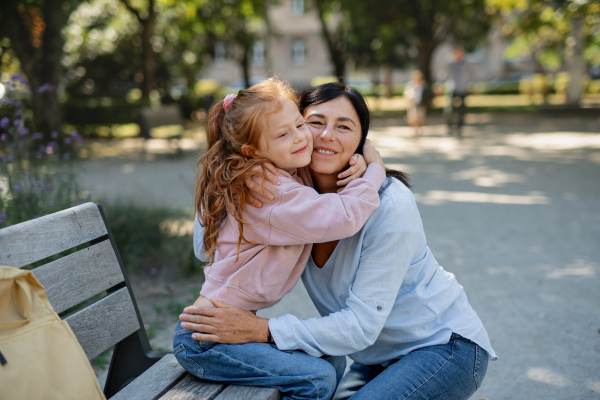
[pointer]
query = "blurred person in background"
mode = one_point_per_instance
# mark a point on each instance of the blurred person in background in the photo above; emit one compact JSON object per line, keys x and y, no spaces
{"x":457,"y":77}
{"x":418,"y":94}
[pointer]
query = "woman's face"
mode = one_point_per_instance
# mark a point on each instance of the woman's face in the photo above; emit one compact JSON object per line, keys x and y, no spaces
{"x":336,"y":134}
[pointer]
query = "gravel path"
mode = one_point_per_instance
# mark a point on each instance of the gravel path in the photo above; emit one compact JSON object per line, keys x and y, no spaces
{"x":512,"y":210}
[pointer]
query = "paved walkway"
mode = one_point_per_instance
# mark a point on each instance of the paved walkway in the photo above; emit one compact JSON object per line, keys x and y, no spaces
{"x":512,"y":210}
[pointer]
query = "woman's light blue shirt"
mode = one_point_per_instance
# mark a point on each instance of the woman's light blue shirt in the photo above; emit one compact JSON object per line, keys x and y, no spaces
{"x":381,"y":294}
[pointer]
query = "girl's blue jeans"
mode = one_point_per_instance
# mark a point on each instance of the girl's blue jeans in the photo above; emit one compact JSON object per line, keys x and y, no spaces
{"x":296,"y":374}
{"x":451,"y":371}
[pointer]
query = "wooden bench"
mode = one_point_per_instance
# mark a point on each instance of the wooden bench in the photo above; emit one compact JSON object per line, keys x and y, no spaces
{"x":91,"y":286}
{"x":163,"y":116}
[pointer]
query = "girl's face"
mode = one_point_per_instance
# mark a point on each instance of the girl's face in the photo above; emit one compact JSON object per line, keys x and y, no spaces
{"x":336,"y":134}
{"x":287,"y":142}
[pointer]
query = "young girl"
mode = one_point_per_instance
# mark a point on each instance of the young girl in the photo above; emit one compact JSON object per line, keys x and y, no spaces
{"x":258,"y":254}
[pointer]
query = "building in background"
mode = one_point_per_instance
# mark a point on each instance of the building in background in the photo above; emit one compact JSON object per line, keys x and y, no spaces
{"x":296,"y":52}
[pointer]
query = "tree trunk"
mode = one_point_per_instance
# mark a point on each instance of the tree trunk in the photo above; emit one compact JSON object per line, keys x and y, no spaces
{"x":388,"y":81}
{"x":147,"y":52}
{"x":337,"y":58}
{"x":245,"y":64}
{"x":41,"y":64}
{"x":575,"y":61}
{"x":425,"y":49}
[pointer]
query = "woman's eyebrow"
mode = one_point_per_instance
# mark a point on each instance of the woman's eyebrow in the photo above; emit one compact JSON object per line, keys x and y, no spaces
{"x":316,"y":115}
{"x":347,"y":119}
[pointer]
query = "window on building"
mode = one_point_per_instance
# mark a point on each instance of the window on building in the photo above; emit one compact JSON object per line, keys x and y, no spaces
{"x":258,"y":53}
{"x":219,"y":52}
{"x":297,"y":7}
{"x":298,"y":52}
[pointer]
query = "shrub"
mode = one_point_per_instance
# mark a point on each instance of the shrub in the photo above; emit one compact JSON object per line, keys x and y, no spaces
{"x":151,"y":239}
{"x":36,"y":177}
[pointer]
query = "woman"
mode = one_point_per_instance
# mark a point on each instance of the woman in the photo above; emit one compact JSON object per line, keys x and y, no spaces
{"x":386,"y":303}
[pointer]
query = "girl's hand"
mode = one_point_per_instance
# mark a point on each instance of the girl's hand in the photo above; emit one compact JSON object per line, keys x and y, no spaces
{"x":257,"y":189}
{"x":371,"y":154}
{"x":357,"y":168}
{"x":225,"y":323}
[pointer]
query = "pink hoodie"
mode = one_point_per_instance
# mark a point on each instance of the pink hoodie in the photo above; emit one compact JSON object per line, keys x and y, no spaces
{"x":283,"y":231}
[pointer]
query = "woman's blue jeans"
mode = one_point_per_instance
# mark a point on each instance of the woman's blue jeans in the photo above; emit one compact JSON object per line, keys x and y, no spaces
{"x":296,"y":374}
{"x":451,"y":371}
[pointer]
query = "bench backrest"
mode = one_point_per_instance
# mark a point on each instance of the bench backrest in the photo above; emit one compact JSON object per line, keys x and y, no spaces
{"x":168,"y":114}
{"x":80,"y":276}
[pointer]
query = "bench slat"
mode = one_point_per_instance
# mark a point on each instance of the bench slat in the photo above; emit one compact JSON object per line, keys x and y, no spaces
{"x":248,"y":393}
{"x":105,"y":322}
{"x":80,"y":276}
{"x":192,"y":388}
{"x":36,"y":239}
{"x":160,"y":377}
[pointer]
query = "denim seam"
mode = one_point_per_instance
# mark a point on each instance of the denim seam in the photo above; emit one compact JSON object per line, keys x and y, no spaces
{"x":435,"y":373}
{"x":476,"y":368}
{"x":265,"y":372}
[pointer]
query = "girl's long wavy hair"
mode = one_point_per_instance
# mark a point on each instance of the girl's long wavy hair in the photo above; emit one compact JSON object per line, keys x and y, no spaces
{"x":223,"y":169}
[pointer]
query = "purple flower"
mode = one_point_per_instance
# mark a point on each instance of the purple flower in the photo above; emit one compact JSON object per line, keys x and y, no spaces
{"x":49,"y":187}
{"x":3,"y":137}
{"x":18,"y":113}
{"x":24,"y":132}
{"x":9,"y":159}
{"x":49,"y":150}
{"x":4,"y":122}
{"x":50,"y":203}
{"x":46,"y":87}
{"x":54,"y":135}
{"x":2,"y":217}
{"x":67,"y":140}
{"x":88,"y":195}
{"x":37,"y":135}
{"x":153,"y":271}
{"x":17,"y":188}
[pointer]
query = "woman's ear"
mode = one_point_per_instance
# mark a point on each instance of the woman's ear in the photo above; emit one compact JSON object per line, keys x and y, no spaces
{"x":248,"y":151}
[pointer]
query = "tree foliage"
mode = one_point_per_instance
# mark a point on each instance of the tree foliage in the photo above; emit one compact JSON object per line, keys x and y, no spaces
{"x":559,"y":34}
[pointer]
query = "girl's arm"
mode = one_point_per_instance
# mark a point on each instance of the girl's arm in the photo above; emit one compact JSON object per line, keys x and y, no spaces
{"x":300,"y":215}
{"x":258,"y":191}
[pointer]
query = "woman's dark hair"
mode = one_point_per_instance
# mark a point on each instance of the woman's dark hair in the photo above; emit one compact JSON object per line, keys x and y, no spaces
{"x":331,"y":91}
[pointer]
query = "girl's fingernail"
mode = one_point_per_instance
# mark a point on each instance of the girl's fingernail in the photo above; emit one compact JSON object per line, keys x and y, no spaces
{"x":183,"y":325}
{"x":186,"y":310}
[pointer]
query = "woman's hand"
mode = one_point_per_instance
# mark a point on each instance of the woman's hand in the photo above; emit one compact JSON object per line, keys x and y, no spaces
{"x":357,"y":168}
{"x":256,"y":186}
{"x":371,"y":154}
{"x":225,"y":323}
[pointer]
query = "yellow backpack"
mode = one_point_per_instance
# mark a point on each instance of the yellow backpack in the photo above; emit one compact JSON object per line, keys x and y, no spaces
{"x":40,"y":357}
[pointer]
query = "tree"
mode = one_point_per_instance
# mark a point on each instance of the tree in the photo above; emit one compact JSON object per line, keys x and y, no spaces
{"x":34,"y":29}
{"x":146,"y":16}
{"x":555,"y":34}
{"x":387,"y":31}
{"x":335,"y":40}
{"x":239,"y":23}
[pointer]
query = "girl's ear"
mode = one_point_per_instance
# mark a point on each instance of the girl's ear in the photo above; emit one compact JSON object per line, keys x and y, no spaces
{"x":248,"y":151}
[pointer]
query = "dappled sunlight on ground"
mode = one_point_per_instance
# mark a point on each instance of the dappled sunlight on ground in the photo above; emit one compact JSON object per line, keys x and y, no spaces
{"x":547,"y":376}
{"x":553,"y":141}
{"x":441,"y":196}
{"x":487,"y":177}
